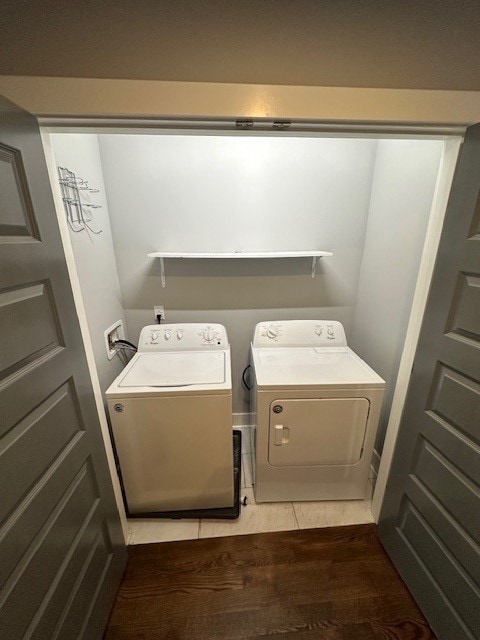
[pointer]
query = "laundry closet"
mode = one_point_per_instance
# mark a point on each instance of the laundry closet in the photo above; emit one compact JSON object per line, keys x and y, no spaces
{"x":260,"y":207}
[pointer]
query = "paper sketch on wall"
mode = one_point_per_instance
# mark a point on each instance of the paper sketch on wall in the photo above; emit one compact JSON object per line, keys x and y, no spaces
{"x":76,"y":196}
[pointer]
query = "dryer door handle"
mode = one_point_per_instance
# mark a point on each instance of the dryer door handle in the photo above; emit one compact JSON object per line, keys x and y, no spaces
{"x":282,"y":435}
{"x":278,"y":434}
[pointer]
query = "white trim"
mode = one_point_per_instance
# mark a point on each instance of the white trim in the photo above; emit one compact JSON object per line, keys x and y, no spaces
{"x":82,"y":319}
{"x":432,"y":240}
{"x":263,"y":128}
{"x":116,"y":100}
{"x":375,"y":463}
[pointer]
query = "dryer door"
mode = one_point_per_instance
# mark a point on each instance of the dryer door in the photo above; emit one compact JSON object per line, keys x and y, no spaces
{"x":317,"y":431}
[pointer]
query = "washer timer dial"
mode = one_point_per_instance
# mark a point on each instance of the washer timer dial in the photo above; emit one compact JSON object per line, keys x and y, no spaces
{"x":271,"y":332}
{"x":209,"y":335}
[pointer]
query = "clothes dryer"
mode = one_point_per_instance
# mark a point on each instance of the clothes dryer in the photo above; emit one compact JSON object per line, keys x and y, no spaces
{"x":316,"y":406}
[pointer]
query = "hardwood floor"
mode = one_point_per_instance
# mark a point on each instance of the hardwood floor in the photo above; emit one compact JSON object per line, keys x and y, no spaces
{"x":332,"y":584}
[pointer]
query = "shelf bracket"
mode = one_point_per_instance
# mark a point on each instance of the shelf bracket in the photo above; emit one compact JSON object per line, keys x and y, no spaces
{"x":315,"y":260}
{"x":162,"y":269}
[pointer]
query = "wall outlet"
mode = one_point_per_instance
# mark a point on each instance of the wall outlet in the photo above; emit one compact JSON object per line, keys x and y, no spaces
{"x":113,"y":333}
{"x":159,"y":311}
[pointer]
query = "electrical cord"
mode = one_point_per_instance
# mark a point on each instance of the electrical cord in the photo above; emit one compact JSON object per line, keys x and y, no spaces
{"x":117,"y":344}
{"x":126,"y":342}
{"x":159,"y":318}
{"x":244,"y":379}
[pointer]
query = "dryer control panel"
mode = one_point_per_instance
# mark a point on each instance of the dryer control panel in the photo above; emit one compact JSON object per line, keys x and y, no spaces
{"x":300,"y":333}
{"x":182,"y":337}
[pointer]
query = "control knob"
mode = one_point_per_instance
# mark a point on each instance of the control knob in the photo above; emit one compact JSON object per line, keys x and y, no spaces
{"x":209,"y":334}
{"x":154,"y":336}
{"x":272,"y":332}
{"x":179,"y":334}
{"x":167,"y":335}
{"x":319,"y":331}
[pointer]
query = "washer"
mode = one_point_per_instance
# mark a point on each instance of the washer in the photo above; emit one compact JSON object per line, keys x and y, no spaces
{"x":316,"y":406}
{"x":171,"y":416}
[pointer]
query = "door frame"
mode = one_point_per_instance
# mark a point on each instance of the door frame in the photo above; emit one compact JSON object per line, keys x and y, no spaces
{"x":113,"y":100}
{"x":125,"y":105}
{"x":83,"y":322}
{"x":433,"y":234}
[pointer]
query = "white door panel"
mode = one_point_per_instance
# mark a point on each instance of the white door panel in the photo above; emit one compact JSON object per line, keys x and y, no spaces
{"x":311,"y":432}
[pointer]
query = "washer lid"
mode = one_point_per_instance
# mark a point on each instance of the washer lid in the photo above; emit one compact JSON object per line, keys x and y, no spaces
{"x":298,"y":367}
{"x":175,"y":369}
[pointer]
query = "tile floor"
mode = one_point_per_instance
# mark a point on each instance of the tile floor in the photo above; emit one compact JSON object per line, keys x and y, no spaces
{"x":254,"y":518}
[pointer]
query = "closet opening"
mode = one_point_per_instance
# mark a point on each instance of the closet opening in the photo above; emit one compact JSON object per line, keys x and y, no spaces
{"x":374,"y":201}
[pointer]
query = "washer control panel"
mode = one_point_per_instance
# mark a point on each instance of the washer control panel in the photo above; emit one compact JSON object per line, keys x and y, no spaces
{"x":182,"y":337}
{"x":300,"y":333}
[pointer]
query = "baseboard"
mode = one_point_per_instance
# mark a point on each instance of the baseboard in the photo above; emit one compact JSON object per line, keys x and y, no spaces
{"x":242,"y":419}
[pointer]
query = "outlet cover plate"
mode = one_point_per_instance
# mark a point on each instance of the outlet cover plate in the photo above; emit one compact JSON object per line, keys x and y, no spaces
{"x":159,"y":310}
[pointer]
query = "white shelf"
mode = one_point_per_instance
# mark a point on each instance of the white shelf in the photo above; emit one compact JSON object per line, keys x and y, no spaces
{"x":242,"y":254}
{"x":315,"y":255}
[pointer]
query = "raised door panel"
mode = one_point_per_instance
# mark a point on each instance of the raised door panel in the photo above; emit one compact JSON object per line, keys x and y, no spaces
{"x":16,"y":211}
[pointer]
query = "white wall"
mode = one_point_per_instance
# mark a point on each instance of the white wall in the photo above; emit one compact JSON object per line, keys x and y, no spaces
{"x":239,"y":193}
{"x":94,"y":254}
{"x":402,"y":192}
{"x":230,"y":193}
